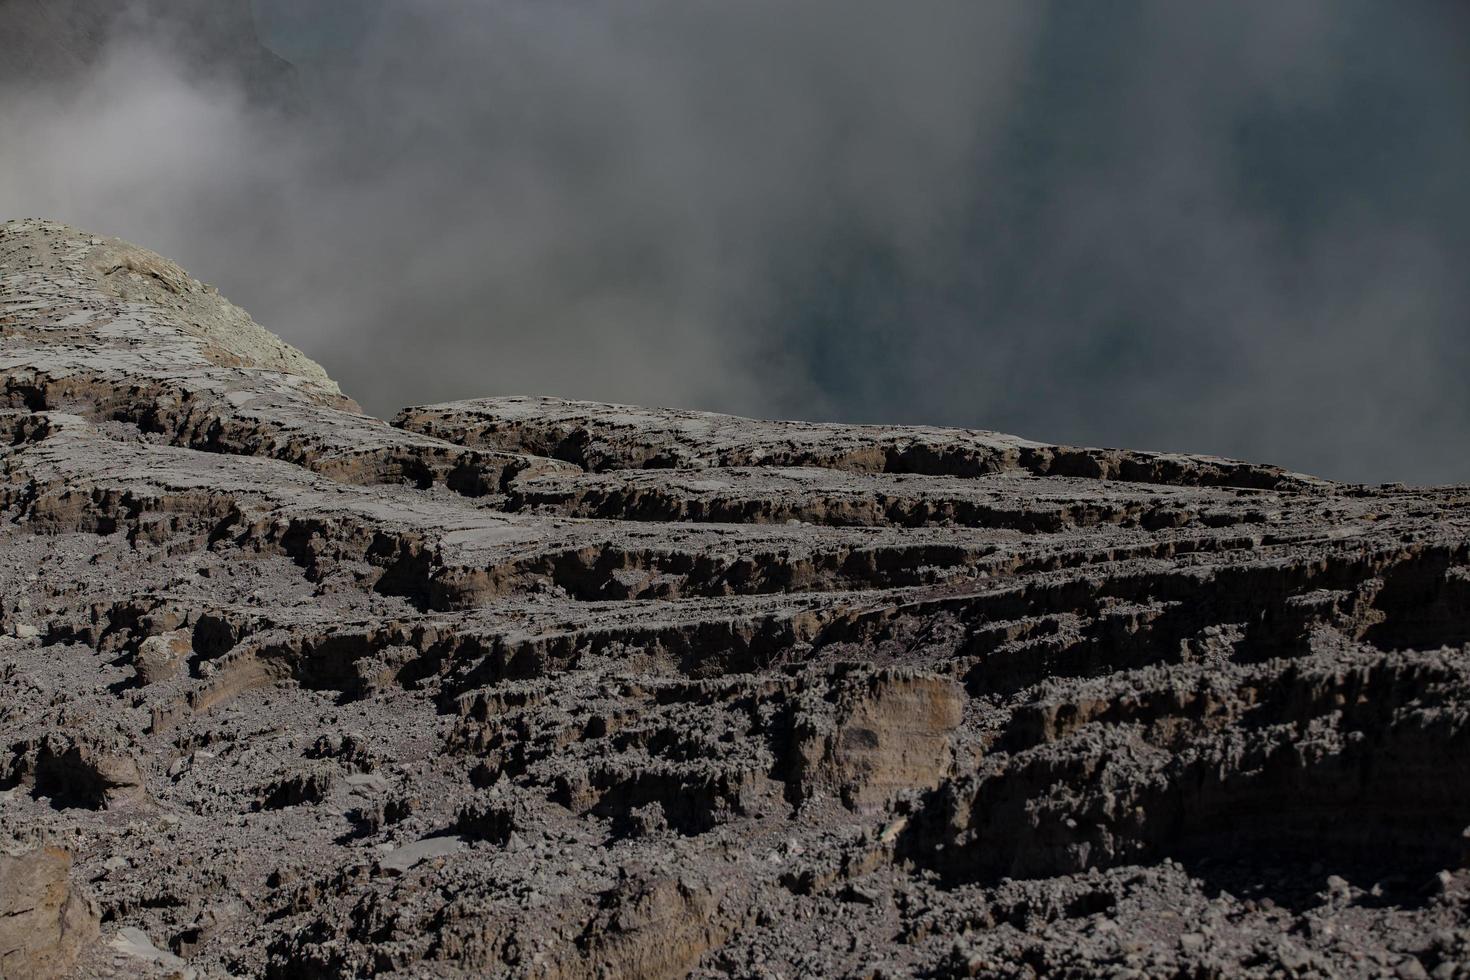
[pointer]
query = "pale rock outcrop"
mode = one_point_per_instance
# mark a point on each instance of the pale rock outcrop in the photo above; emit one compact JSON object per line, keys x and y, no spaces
{"x":45,"y":920}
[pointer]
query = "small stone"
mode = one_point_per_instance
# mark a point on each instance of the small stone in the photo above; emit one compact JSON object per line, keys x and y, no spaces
{"x":134,"y":943}
{"x":366,"y":783}
{"x":402,"y":859}
{"x":1410,"y":969}
{"x":161,"y":657}
{"x":1291,"y":956}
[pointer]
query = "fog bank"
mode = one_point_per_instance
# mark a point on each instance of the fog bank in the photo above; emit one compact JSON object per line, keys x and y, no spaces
{"x":1218,"y":227}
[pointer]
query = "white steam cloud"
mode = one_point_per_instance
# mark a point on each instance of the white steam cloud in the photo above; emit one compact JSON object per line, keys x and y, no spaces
{"x":1220,"y":227}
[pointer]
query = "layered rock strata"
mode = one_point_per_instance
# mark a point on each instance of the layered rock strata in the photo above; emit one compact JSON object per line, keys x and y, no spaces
{"x":529,"y":687}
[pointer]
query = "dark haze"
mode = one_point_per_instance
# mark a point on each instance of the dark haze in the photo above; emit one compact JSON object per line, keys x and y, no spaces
{"x":1229,"y":227}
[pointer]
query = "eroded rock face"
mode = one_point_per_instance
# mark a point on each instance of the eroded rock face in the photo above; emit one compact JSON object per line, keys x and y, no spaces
{"x":526,"y":687}
{"x":45,"y":922}
{"x":887,"y":733}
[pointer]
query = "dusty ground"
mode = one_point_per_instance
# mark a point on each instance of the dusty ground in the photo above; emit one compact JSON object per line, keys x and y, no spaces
{"x":539,"y":688}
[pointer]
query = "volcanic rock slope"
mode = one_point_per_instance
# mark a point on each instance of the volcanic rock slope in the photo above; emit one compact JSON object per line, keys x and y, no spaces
{"x":530,"y":687}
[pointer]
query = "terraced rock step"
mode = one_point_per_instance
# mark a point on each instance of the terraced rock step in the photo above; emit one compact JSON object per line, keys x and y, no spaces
{"x":813,"y":495}
{"x":602,"y":438}
{"x":528,"y":687}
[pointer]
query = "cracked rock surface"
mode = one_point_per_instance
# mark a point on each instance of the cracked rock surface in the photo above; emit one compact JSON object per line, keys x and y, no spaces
{"x":537,"y":688}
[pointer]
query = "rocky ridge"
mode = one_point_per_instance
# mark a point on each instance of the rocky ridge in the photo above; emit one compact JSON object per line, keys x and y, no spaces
{"x":531,"y":687}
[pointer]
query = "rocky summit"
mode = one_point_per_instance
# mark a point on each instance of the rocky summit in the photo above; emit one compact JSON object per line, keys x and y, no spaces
{"x":542,"y":688}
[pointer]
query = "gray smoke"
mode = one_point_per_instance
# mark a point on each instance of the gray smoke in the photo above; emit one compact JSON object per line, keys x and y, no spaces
{"x":1221,"y":227}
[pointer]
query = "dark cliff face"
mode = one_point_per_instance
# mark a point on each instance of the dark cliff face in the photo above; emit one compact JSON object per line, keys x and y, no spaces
{"x":59,"y":40}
